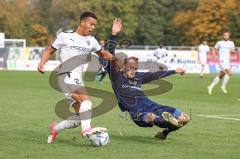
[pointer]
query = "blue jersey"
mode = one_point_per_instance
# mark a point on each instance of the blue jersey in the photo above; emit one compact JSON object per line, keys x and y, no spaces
{"x":128,"y":90}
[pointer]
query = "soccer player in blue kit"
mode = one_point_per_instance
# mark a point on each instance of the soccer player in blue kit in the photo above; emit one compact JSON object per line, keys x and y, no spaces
{"x":126,"y":82}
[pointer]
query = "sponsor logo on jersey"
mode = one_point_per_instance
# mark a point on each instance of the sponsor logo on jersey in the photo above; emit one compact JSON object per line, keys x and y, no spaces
{"x":132,"y":82}
{"x":132,"y":87}
{"x":81,"y":49}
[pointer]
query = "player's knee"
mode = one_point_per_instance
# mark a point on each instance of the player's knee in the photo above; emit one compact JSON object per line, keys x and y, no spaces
{"x":229,"y":72}
{"x":80,"y":97}
{"x":184,"y":118}
{"x":221,"y":74}
{"x":150,"y":117}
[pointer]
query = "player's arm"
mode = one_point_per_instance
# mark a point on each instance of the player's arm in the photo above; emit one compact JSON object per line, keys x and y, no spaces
{"x":233,"y":48}
{"x":57,"y":44}
{"x":109,"y":55}
{"x":151,"y":76}
{"x":45,"y":57}
{"x":111,"y":44}
{"x":105,"y":55}
{"x":215,"y":48}
{"x":109,"y":48}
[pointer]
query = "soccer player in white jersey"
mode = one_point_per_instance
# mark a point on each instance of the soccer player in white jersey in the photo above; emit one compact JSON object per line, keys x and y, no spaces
{"x":224,"y":47}
{"x":203,"y":49}
{"x":161,"y":54}
{"x":70,"y":45}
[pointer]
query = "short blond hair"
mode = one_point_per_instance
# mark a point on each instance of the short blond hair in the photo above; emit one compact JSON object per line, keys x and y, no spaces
{"x":135,"y":59}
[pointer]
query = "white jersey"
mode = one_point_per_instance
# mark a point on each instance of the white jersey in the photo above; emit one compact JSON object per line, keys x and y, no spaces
{"x":224,"y":49}
{"x":160,"y":52}
{"x":202,"y":52}
{"x":203,"y":49}
{"x":72,"y":44}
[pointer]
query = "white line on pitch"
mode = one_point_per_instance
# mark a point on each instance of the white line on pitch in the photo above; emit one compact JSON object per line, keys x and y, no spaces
{"x":224,"y":115}
{"x":218,"y":117}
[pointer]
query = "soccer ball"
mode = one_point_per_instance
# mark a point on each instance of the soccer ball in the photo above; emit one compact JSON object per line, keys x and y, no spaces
{"x":99,"y":138}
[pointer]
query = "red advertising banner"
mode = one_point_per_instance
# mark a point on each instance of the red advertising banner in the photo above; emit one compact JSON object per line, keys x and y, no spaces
{"x":213,"y":58}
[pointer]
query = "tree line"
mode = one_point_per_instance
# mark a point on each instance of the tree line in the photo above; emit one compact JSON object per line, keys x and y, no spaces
{"x":146,"y":22}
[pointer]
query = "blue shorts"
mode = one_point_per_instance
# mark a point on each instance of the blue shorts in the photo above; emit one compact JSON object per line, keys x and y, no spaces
{"x":139,"y":115}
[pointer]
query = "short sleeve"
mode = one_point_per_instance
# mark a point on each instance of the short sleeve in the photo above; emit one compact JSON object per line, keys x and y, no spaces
{"x":95,"y":47}
{"x":58,"y":42}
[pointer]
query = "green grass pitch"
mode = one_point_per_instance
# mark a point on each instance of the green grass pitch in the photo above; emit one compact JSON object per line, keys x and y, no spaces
{"x":27,"y":107}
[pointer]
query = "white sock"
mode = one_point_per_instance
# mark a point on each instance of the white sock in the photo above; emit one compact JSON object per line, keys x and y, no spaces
{"x":225,"y":80}
{"x":85,"y":114}
{"x":70,"y":122}
{"x":215,"y":82}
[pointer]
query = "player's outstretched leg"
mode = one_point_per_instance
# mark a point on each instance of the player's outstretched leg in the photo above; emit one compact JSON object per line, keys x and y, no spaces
{"x":168,"y":117}
{"x":163,"y":134}
{"x":164,"y":120}
{"x":70,"y":122}
{"x":183,"y":119}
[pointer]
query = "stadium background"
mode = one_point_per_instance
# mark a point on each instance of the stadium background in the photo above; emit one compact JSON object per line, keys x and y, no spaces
{"x":181,"y":25}
{"x":15,"y":58}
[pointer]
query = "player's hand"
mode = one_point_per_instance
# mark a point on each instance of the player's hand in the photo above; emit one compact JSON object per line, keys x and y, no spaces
{"x":41,"y":68}
{"x":180,"y":71}
{"x":117,"y":26}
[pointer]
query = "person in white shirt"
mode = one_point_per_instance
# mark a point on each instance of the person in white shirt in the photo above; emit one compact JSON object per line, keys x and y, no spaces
{"x":72,"y":45}
{"x":224,"y":47}
{"x":161,"y":54}
{"x":203,"y":49}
